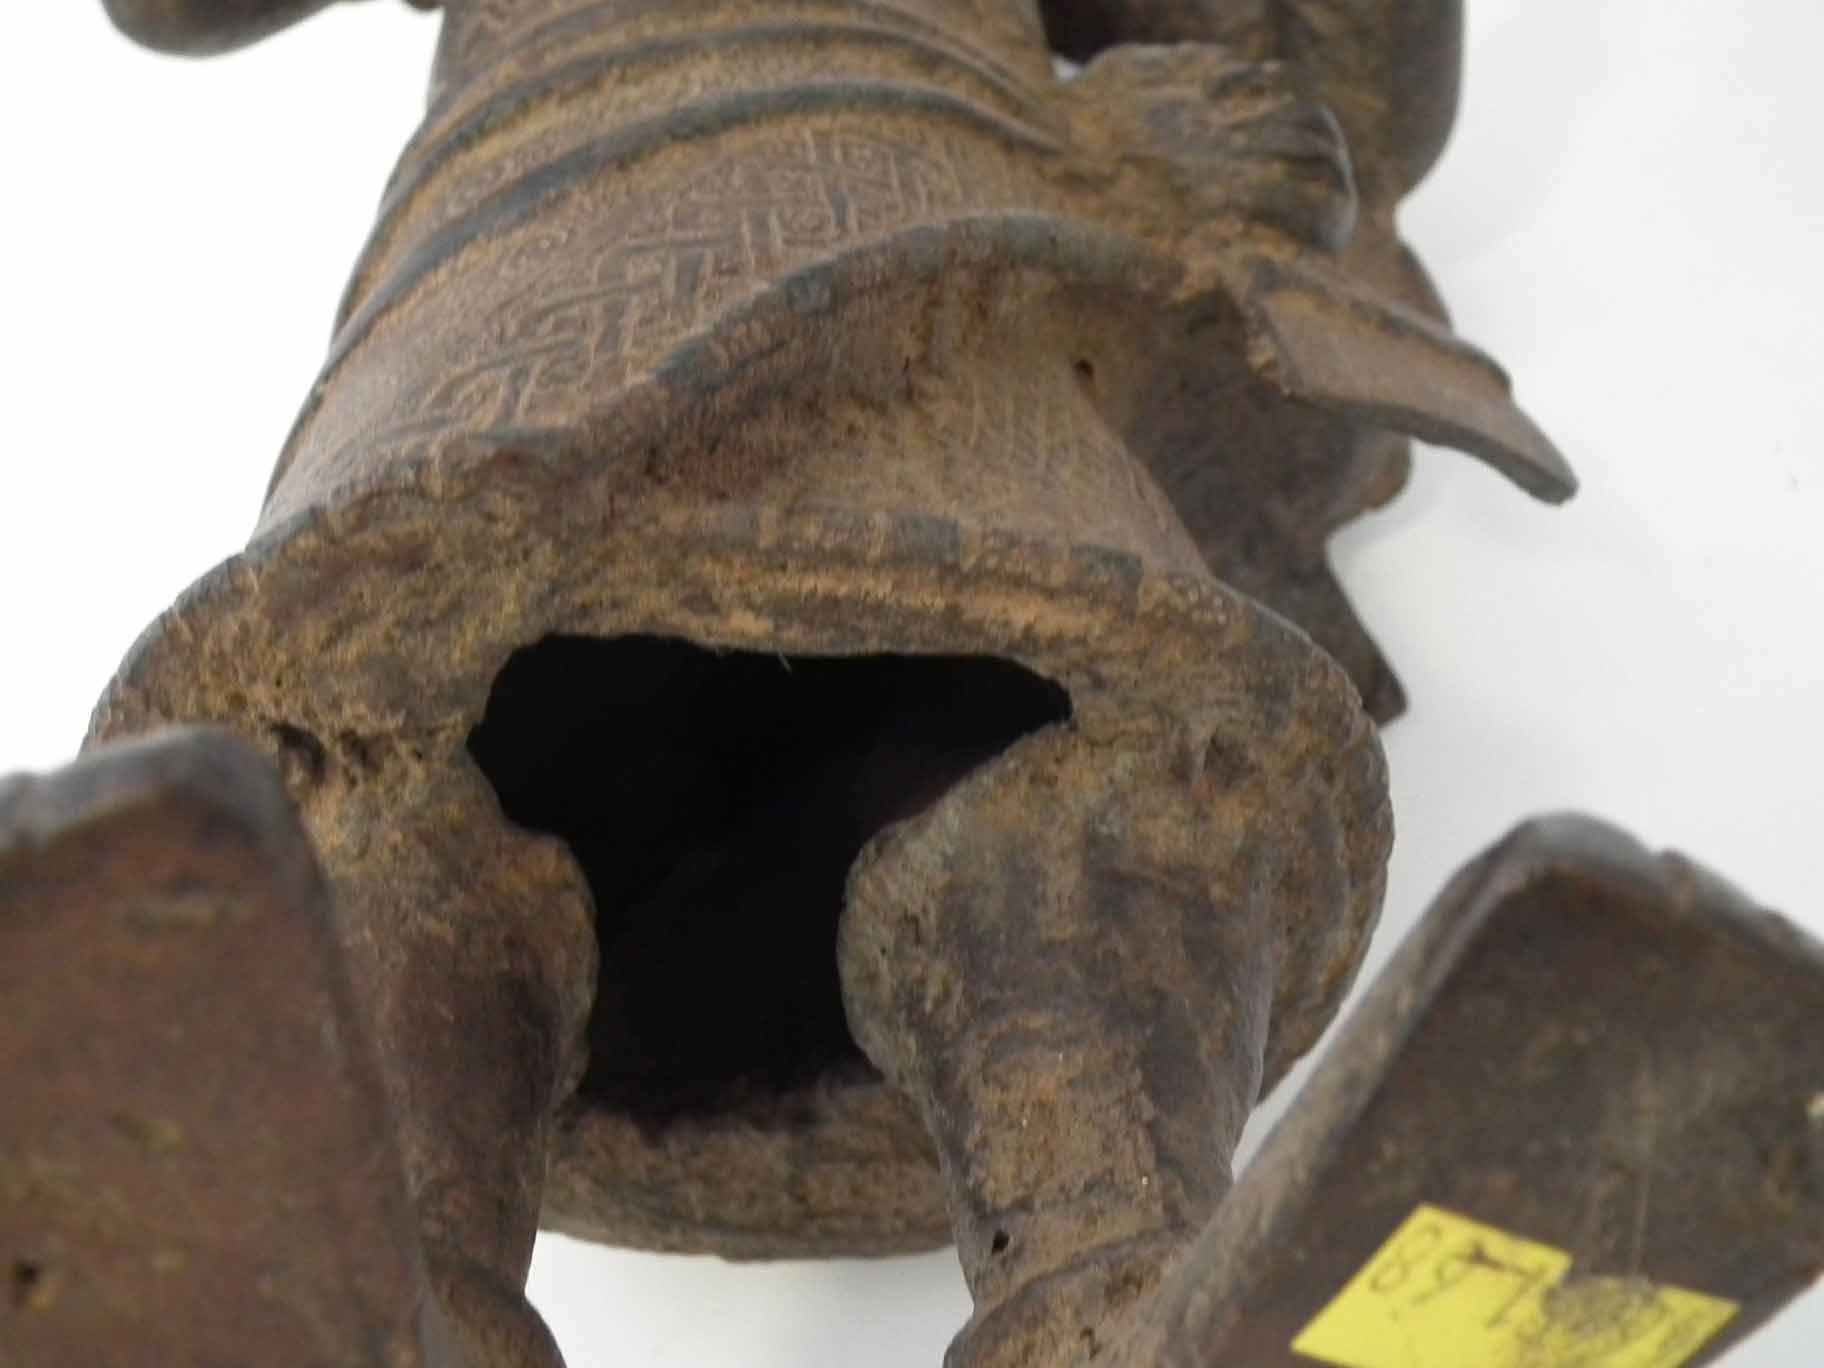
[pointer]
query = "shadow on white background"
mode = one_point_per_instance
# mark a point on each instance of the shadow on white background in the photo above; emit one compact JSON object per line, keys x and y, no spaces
{"x":1630,"y":218}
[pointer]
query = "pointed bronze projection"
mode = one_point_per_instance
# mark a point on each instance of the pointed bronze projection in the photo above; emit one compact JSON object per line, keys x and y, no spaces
{"x":1578,"y":1120}
{"x":795,"y":614}
{"x":199,"y":28}
{"x":197,"y":1163}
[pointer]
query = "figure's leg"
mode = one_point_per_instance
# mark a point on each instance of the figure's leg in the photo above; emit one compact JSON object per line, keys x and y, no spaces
{"x":478,"y":997}
{"x":1068,"y":963}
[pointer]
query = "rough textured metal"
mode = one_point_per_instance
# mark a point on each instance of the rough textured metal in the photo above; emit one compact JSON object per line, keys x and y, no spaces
{"x":196,"y":1160}
{"x":753,"y":424}
{"x":1081,"y":1008}
{"x":1600,"y":1049}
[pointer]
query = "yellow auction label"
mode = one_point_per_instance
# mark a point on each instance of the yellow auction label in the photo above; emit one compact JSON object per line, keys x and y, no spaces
{"x":1449,"y":1292}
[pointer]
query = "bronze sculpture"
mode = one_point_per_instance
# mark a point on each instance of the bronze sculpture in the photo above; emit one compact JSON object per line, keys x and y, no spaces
{"x":752,"y":392}
{"x":204,"y":1171}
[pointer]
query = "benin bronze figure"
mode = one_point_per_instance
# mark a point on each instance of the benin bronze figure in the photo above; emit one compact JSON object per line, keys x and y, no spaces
{"x":795,"y":619}
{"x":751,"y":425}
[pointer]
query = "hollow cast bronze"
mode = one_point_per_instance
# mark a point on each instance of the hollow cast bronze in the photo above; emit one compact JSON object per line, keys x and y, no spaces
{"x":199,"y":1165}
{"x":795,"y":617}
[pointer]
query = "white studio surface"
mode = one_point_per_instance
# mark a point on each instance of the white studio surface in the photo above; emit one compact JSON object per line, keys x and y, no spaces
{"x":1629,"y":217}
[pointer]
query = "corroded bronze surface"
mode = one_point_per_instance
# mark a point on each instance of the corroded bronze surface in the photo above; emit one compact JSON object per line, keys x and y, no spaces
{"x":797,"y":472}
{"x":1599,"y":1050}
{"x":196,"y":1161}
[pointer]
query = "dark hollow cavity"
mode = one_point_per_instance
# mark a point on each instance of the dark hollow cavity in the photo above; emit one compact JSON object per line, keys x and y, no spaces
{"x":1077,"y":30}
{"x":715,"y":801}
{"x":1081,"y":30}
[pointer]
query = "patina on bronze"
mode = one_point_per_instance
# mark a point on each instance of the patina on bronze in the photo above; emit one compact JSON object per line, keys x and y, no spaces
{"x":794,"y":506}
{"x":197,"y":1164}
{"x":1592,"y":1050}
{"x":1603,"y":1050}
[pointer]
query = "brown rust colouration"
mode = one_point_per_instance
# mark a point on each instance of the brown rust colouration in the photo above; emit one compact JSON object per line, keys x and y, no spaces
{"x":795,"y":616}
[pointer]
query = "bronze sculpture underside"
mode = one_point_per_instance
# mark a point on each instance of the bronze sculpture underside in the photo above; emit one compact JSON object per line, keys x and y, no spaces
{"x":795,"y":622}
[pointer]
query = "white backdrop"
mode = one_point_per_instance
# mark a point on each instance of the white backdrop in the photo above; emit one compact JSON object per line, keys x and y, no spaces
{"x":1629,"y":218}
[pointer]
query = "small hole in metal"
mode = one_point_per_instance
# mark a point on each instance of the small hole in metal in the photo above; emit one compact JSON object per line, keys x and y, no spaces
{"x":26,"y":1276}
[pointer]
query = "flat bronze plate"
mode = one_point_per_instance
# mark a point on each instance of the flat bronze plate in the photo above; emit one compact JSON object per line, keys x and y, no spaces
{"x":195,"y":1162}
{"x":1578,"y":1121}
